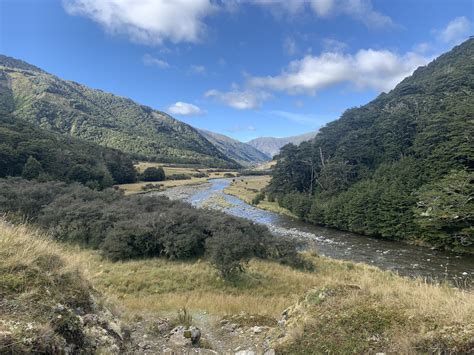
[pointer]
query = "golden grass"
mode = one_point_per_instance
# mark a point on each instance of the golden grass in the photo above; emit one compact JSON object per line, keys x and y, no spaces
{"x":157,"y":286}
{"x":135,"y":188}
{"x":247,"y":188}
{"x":265,"y":166}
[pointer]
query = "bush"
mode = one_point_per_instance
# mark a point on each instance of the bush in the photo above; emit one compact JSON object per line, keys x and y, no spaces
{"x":179,"y":177}
{"x":138,"y":226}
{"x":153,"y":174}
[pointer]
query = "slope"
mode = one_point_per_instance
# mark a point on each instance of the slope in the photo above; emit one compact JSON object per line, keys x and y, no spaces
{"x":271,"y":145}
{"x":71,"y":108}
{"x":397,"y":167}
{"x":242,"y":153}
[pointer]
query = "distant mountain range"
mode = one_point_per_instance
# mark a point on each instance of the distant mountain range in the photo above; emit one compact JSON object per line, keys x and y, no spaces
{"x":271,"y":145}
{"x":242,"y":153}
{"x":30,"y":93}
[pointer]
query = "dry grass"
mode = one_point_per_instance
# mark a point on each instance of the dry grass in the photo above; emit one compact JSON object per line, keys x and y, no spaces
{"x":247,"y":188}
{"x":266,"y":166}
{"x":170,"y":170}
{"x":408,"y":308}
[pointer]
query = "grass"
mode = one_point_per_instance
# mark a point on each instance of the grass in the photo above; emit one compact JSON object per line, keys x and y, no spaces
{"x":340,"y":307}
{"x":247,"y":188}
{"x":170,"y":170}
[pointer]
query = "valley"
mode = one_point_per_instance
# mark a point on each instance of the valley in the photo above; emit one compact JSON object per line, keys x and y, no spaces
{"x":242,"y":178}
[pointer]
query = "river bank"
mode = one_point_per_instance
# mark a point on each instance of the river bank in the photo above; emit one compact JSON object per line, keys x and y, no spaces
{"x":401,"y":258}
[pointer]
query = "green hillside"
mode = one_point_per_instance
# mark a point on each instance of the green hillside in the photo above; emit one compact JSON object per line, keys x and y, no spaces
{"x":71,"y":108}
{"x":242,"y":153}
{"x":399,"y":167}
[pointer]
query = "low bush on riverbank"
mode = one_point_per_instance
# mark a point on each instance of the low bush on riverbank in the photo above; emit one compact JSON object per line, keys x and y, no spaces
{"x":128,"y":227}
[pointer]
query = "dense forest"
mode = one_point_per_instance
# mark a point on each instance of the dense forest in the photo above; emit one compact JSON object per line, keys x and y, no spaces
{"x":399,"y":167}
{"x":34,"y":153}
{"x":99,"y":117}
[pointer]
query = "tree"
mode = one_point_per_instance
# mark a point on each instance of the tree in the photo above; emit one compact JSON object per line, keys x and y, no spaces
{"x":153,"y":174}
{"x":32,"y":168}
{"x":445,"y":210}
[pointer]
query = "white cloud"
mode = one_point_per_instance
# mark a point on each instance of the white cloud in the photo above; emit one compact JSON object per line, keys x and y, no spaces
{"x":197,"y":69}
{"x":289,"y":46}
{"x":147,"y":21}
{"x":360,"y":10}
{"x":368,"y":68}
{"x":152,"y":61}
{"x":241,"y":100}
{"x":333,"y":45}
{"x":185,"y":109}
{"x":456,"y":31}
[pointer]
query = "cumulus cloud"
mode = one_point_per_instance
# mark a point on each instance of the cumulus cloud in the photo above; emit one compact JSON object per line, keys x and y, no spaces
{"x":185,"y":109}
{"x":147,"y":21}
{"x":241,"y":100}
{"x":368,"y":68}
{"x":152,"y":61}
{"x":456,"y":31}
{"x":360,"y":10}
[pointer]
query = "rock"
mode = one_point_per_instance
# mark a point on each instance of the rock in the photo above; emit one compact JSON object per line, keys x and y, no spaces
{"x":161,"y":326}
{"x":193,"y":333}
{"x":182,"y":337}
{"x":245,"y":352}
{"x":257,"y":329}
{"x":269,"y":352}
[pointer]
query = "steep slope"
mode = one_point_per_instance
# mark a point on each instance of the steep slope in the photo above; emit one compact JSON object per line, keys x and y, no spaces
{"x":271,"y":145}
{"x":71,"y":108}
{"x":398,"y":167}
{"x":27,"y":150}
{"x":242,"y":153}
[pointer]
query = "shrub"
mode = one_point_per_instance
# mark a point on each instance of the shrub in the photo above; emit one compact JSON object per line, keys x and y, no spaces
{"x":153,"y":174}
{"x":179,"y":177}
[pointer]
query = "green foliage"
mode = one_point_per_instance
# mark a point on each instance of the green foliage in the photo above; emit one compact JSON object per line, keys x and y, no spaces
{"x":445,"y":210}
{"x":32,"y":168}
{"x":362,"y":173}
{"x":93,"y":115}
{"x":138,"y":226}
{"x":39,"y":154}
{"x":153,"y":174}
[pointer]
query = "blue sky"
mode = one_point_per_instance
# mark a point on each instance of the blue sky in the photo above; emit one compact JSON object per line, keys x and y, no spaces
{"x":242,"y":68}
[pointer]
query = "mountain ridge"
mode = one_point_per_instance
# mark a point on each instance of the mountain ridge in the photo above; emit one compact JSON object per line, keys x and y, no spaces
{"x":74,"y":109}
{"x":241,"y":152}
{"x":271,"y":145}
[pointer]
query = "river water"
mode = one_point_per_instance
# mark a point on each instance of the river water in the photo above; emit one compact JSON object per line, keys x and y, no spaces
{"x":402,"y":258}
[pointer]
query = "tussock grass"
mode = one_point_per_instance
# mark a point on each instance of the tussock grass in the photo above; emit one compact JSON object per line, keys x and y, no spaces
{"x":399,"y":313}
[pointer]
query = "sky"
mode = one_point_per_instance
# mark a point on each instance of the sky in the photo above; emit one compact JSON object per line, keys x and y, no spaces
{"x":243,"y":68}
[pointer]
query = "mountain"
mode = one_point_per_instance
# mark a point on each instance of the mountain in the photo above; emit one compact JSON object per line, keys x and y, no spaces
{"x":242,"y":153}
{"x":271,"y":145}
{"x":399,"y":167}
{"x":74,"y":109}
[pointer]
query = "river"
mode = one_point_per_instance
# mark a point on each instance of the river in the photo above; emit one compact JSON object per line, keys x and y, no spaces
{"x":404,"y":259}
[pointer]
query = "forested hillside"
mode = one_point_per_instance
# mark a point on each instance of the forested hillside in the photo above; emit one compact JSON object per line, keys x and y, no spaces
{"x":70,"y":108}
{"x":242,"y":153}
{"x":28,"y":151}
{"x":399,"y":167}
